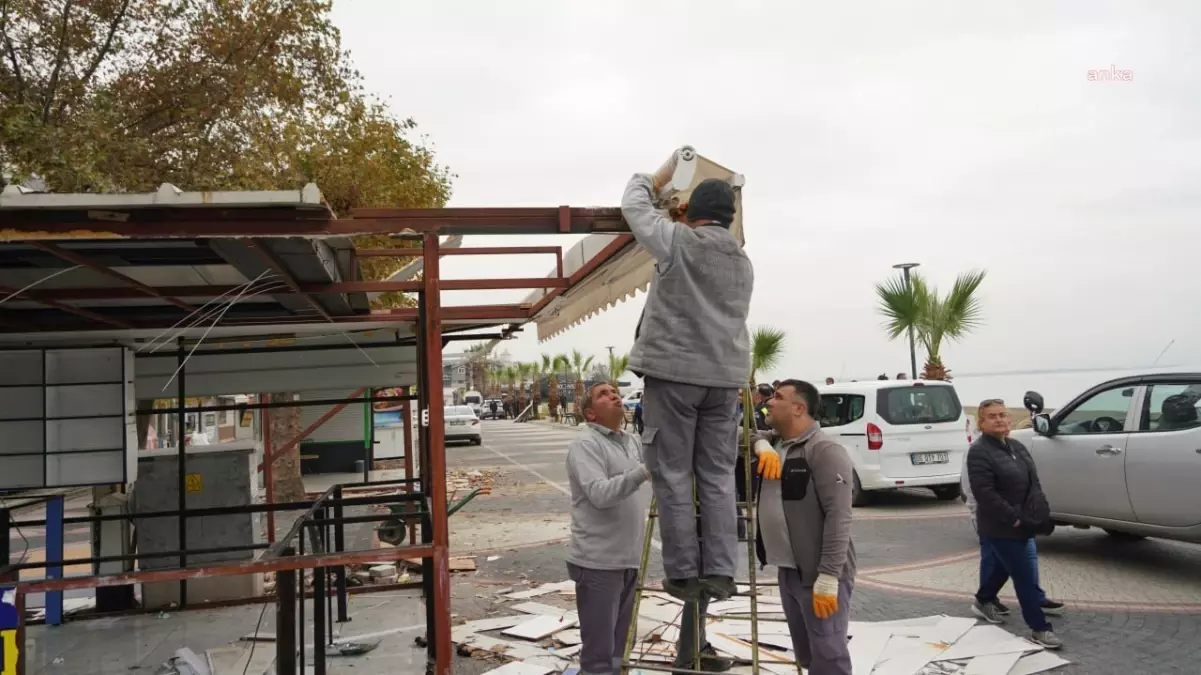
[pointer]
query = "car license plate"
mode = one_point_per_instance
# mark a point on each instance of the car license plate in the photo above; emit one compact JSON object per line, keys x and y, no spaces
{"x":921,"y":458}
{"x":457,"y":423}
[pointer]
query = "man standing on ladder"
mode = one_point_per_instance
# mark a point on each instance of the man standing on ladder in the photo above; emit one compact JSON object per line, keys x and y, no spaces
{"x":804,"y":528}
{"x":692,"y":349}
{"x":610,"y":501}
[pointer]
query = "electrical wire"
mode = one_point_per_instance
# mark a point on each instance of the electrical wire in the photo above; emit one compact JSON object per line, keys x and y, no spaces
{"x":254,"y":642}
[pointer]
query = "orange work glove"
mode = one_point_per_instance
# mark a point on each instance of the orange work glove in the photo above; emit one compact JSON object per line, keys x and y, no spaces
{"x":825,"y":596}
{"x":769,"y":460}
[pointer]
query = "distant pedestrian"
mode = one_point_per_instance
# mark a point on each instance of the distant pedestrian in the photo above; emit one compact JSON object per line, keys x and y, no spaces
{"x":882,"y":377}
{"x":1010,"y":509}
{"x":610,"y":502}
{"x":829,"y":380}
{"x":901,"y":376}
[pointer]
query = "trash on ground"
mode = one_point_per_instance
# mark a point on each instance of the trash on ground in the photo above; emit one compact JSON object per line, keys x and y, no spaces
{"x":544,"y":639}
{"x":354,"y":648}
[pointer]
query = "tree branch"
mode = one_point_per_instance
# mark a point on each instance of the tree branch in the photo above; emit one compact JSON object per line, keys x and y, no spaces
{"x":108,"y":44}
{"x":59,"y":58}
{"x":12,"y":52}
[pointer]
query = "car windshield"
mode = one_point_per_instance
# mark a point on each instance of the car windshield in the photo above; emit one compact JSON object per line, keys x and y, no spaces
{"x":919,"y":404}
{"x":472,"y":399}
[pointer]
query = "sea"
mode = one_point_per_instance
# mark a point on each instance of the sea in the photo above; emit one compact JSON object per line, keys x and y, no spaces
{"x":1057,"y":387}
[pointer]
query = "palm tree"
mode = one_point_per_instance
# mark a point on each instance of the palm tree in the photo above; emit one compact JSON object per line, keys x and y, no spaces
{"x":553,"y":365}
{"x":510,"y":376}
{"x":523,"y":374}
{"x":917,"y":306}
{"x":618,"y":365}
{"x":580,"y":365}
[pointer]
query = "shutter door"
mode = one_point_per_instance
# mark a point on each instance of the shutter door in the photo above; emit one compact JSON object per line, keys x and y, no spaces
{"x":347,"y":425}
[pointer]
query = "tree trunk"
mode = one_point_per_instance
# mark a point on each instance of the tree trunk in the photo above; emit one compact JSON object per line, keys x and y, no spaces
{"x":935,"y":370}
{"x":285,"y":426}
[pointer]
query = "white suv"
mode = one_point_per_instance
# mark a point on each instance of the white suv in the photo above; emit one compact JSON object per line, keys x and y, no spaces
{"x":899,"y":433}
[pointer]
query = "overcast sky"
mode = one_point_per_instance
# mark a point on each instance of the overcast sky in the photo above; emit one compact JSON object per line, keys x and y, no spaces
{"x":956,"y":135}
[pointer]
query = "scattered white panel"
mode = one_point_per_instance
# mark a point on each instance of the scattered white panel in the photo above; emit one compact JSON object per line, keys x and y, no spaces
{"x":949,"y":630}
{"x":1039,"y":662}
{"x":742,"y":650}
{"x":513,"y":650}
{"x":539,"y":608}
{"x":903,"y":656}
{"x":670,"y":614}
{"x":866,"y":646}
{"x":569,"y":637}
{"x":986,"y":640}
{"x":544,"y":589}
{"x":541,"y":627}
{"x":568,"y":652}
{"x":521,"y":668}
{"x":993,"y":664}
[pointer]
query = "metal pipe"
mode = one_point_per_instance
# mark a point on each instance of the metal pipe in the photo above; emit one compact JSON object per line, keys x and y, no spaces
{"x":285,"y":621}
{"x":319,"y":598}
{"x":339,"y":546}
{"x":268,"y":467}
{"x":182,"y":477}
{"x":435,"y":489}
{"x":407,"y":411}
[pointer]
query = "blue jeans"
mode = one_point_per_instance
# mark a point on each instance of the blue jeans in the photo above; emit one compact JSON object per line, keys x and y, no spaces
{"x":990,"y":565}
{"x":1003,"y":560}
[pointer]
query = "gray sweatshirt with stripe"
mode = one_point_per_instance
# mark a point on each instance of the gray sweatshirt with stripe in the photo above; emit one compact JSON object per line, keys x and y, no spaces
{"x":610,"y":499}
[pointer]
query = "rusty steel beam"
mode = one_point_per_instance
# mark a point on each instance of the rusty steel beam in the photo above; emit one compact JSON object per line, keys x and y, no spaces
{"x":475,"y":250}
{"x":436,"y":490}
{"x":341,"y":287}
{"x":232,"y":569}
{"x":544,"y":220}
{"x":281,"y":269}
{"x":76,"y":259}
{"x":270,"y":456}
{"x":589,"y":267}
{"x":34,"y":296}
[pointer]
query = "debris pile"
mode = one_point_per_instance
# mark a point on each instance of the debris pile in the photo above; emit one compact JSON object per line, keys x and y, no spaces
{"x":466,"y":481}
{"x":542,"y":639}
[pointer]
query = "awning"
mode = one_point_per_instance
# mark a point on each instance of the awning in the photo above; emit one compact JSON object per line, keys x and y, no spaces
{"x":631,"y":269}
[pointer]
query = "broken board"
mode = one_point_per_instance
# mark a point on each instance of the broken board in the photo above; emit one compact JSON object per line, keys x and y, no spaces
{"x":541,"y":627}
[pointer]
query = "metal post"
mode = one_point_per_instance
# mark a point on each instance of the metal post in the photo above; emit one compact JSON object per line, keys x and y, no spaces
{"x":905,"y":267}
{"x":268,"y":472}
{"x":407,"y":411}
{"x":340,"y":546}
{"x":369,"y":451}
{"x":55,"y":534}
{"x":319,"y":614}
{"x":435,"y":487}
{"x":182,"y":479}
{"x":427,"y":534}
{"x":285,"y":620}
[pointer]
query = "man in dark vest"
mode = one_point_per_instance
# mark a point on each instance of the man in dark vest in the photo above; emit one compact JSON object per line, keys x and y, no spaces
{"x":692,"y":349}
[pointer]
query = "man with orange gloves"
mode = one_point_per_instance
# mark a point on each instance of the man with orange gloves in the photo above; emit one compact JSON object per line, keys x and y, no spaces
{"x":804,"y":509}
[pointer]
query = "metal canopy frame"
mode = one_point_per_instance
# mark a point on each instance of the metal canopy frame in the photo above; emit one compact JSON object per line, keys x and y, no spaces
{"x":74,"y":236}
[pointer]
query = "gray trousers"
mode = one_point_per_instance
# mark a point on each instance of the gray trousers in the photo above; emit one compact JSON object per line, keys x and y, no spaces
{"x":691,"y":433}
{"x":604,"y":600}
{"x":692,"y":626}
{"x":820,"y":645}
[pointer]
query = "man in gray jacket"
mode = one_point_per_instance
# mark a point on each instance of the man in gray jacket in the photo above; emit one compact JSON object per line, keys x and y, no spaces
{"x":805,"y":528}
{"x":693,"y":351}
{"x":610,"y":503}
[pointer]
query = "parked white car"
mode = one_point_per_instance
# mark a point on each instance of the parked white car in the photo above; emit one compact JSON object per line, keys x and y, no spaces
{"x":1124,"y":456}
{"x":899,"y":433}
{"x":462,"y":424}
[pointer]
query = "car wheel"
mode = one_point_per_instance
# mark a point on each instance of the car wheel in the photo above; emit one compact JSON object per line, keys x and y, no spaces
{"x":947,"y":492}
{"x":1125,"y":536}
{"x":859,"y":497}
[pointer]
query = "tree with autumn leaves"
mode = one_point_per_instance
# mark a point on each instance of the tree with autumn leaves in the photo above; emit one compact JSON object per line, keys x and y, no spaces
{"x":124,"y":95}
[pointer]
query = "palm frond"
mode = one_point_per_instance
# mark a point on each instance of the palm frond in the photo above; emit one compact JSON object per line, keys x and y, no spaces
{"x":903,"y":305}
{"x":767,"y":346}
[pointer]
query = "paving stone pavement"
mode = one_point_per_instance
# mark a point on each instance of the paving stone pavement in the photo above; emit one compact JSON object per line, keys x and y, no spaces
{"x":1133,"y":606}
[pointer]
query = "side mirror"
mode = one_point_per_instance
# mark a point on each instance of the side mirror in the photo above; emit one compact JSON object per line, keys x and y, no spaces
{"x":1042,"y":424}
{"x":1033,"y":401}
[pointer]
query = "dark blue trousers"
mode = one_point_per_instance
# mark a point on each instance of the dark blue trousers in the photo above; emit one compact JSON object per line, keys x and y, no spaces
{"x":1012,"y":560}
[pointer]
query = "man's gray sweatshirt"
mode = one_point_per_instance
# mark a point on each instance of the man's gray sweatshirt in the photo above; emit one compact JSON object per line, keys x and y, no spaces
{"x":610,"y":499}
{"x":693,"y":327}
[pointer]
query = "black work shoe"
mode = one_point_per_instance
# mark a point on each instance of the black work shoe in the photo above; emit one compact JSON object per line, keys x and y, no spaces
{"x":1001,"y":609}
{"x":710,"y":662}
{"x":719,"y":588}
{"x":1051,"y":607}
{"x":688,"y":590}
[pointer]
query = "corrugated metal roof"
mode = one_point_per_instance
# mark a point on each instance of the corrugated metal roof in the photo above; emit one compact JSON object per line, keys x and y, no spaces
{"x":167,"y":195}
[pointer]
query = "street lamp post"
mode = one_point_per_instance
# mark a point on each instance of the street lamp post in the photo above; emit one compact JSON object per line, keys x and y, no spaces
{"x":905,"y":267}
